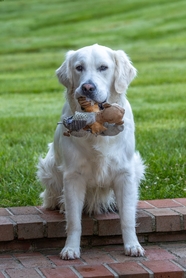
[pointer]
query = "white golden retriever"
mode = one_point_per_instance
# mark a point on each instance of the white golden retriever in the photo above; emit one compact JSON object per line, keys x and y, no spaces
{"x":94,"y":173}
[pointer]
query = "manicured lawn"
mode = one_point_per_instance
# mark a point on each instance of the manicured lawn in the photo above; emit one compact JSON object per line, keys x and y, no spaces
{"x":34,"y":38}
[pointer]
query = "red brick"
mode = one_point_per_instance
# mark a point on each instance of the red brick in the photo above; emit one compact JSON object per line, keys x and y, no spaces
{"x":164,"y":269}
{"x":29,"y":226}
{"x":51,"y":251}
{"x":27,"y":255}
{"x":144,"y":222}
{"x":94,"y":271}
{"x":87,"y":226}
{"x":24,"y":210}
{"x":106,"y":240}
{"x":172,"y":245}
{"x":49,"y":243}
{"x":58,"y":272}
{"x":53,"y":215}
{"x":86,"y":241}
{"x":49,"y":211}
{"x":182,"y":211}
{"x":120,"y":257}
{"x":95,"y":257}
{"x":56,"y":229}
{"x":108,"y":224}
{"x":182,"y":262}
{"x":164,"y":203}
{"x":4,"y":212}
{"x":5,"y":256}
{"x":144,"y":205}
{"x":59,"y":262}
{"x":116,"y":248}
{"x":156,"y":253}
{"x":167,"y":220}
{"x":56,"y":225}
{"x":156,"y":237}
{"x":6,"y":229}
{"x":25,"y":272}
{"x":142,"y":238}
{"x":129,"y":270}
{"x":17,"y":245}
{"x":179,"y":252}
{"x":181,"y":201}
{"x":35,"y":261}
{"x":9,"y":263}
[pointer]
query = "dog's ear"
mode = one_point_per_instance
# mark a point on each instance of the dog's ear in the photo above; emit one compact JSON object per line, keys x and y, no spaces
{"x":63,"y":72}
{"x":124,"y":73}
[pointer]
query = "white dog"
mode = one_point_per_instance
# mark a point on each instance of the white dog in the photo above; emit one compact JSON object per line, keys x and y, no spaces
{"x":94,"y":173}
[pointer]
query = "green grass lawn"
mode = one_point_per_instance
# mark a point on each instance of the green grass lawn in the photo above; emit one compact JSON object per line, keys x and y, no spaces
{"x":34,"y":37}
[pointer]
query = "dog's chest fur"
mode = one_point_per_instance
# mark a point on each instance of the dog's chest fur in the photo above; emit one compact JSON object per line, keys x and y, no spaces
{"x":99,"y":168}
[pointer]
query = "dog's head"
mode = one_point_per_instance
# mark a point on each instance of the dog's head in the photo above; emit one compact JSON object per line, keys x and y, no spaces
{"x":96,"y":72}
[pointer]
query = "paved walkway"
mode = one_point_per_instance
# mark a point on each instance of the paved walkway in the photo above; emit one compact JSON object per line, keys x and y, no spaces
{"x":163,"y":260}
{"x":31,"y":238}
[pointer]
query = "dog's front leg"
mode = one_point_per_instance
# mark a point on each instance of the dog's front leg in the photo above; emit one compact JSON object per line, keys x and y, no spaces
{"x":74,"y":193}
{"x":126,"y":192}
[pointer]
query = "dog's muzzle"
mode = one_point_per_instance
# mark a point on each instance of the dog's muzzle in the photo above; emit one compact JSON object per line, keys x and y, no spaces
{"x":89,"y":90}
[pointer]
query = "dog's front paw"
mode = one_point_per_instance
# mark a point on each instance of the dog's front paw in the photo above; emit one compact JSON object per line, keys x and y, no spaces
{"x":134,"y":250}
{"x":69,"y":253}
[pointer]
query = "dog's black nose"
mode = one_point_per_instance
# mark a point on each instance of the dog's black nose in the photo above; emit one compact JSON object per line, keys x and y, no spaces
{"x":88,"y":89}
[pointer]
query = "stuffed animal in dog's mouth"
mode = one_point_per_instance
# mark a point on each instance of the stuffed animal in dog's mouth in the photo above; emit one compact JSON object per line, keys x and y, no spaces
{"x":99,"y":119}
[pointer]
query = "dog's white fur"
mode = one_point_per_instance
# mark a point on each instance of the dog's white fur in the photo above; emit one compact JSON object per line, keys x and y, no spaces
{"x":94,"y":173}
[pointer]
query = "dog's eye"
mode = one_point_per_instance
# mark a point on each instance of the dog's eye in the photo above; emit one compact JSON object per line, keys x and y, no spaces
{"x":79,"y":68}
{"x":103,"y":68}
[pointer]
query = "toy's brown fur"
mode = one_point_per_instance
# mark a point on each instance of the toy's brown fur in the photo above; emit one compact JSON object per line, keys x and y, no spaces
{"x":111,"y":114}
{"x":88,"y":106}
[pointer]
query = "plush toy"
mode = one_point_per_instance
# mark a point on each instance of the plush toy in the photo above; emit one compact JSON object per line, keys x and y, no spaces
{"x":99,"y":119}
{"x":89,"y":105}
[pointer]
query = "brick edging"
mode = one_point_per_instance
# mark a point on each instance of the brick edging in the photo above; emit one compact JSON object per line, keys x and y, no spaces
{"x":158,"y":220}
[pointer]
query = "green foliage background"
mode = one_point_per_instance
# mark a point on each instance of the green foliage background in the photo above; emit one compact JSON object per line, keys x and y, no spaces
{"x":34,"y":37}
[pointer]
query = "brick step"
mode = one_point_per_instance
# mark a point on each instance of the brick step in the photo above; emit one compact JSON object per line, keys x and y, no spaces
{"x":167,"y":260}
{"x":32,"y":228}
{"x":31,"y":239}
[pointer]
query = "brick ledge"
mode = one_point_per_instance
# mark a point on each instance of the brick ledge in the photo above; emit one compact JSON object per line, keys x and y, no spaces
{"x":28,"y":228}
